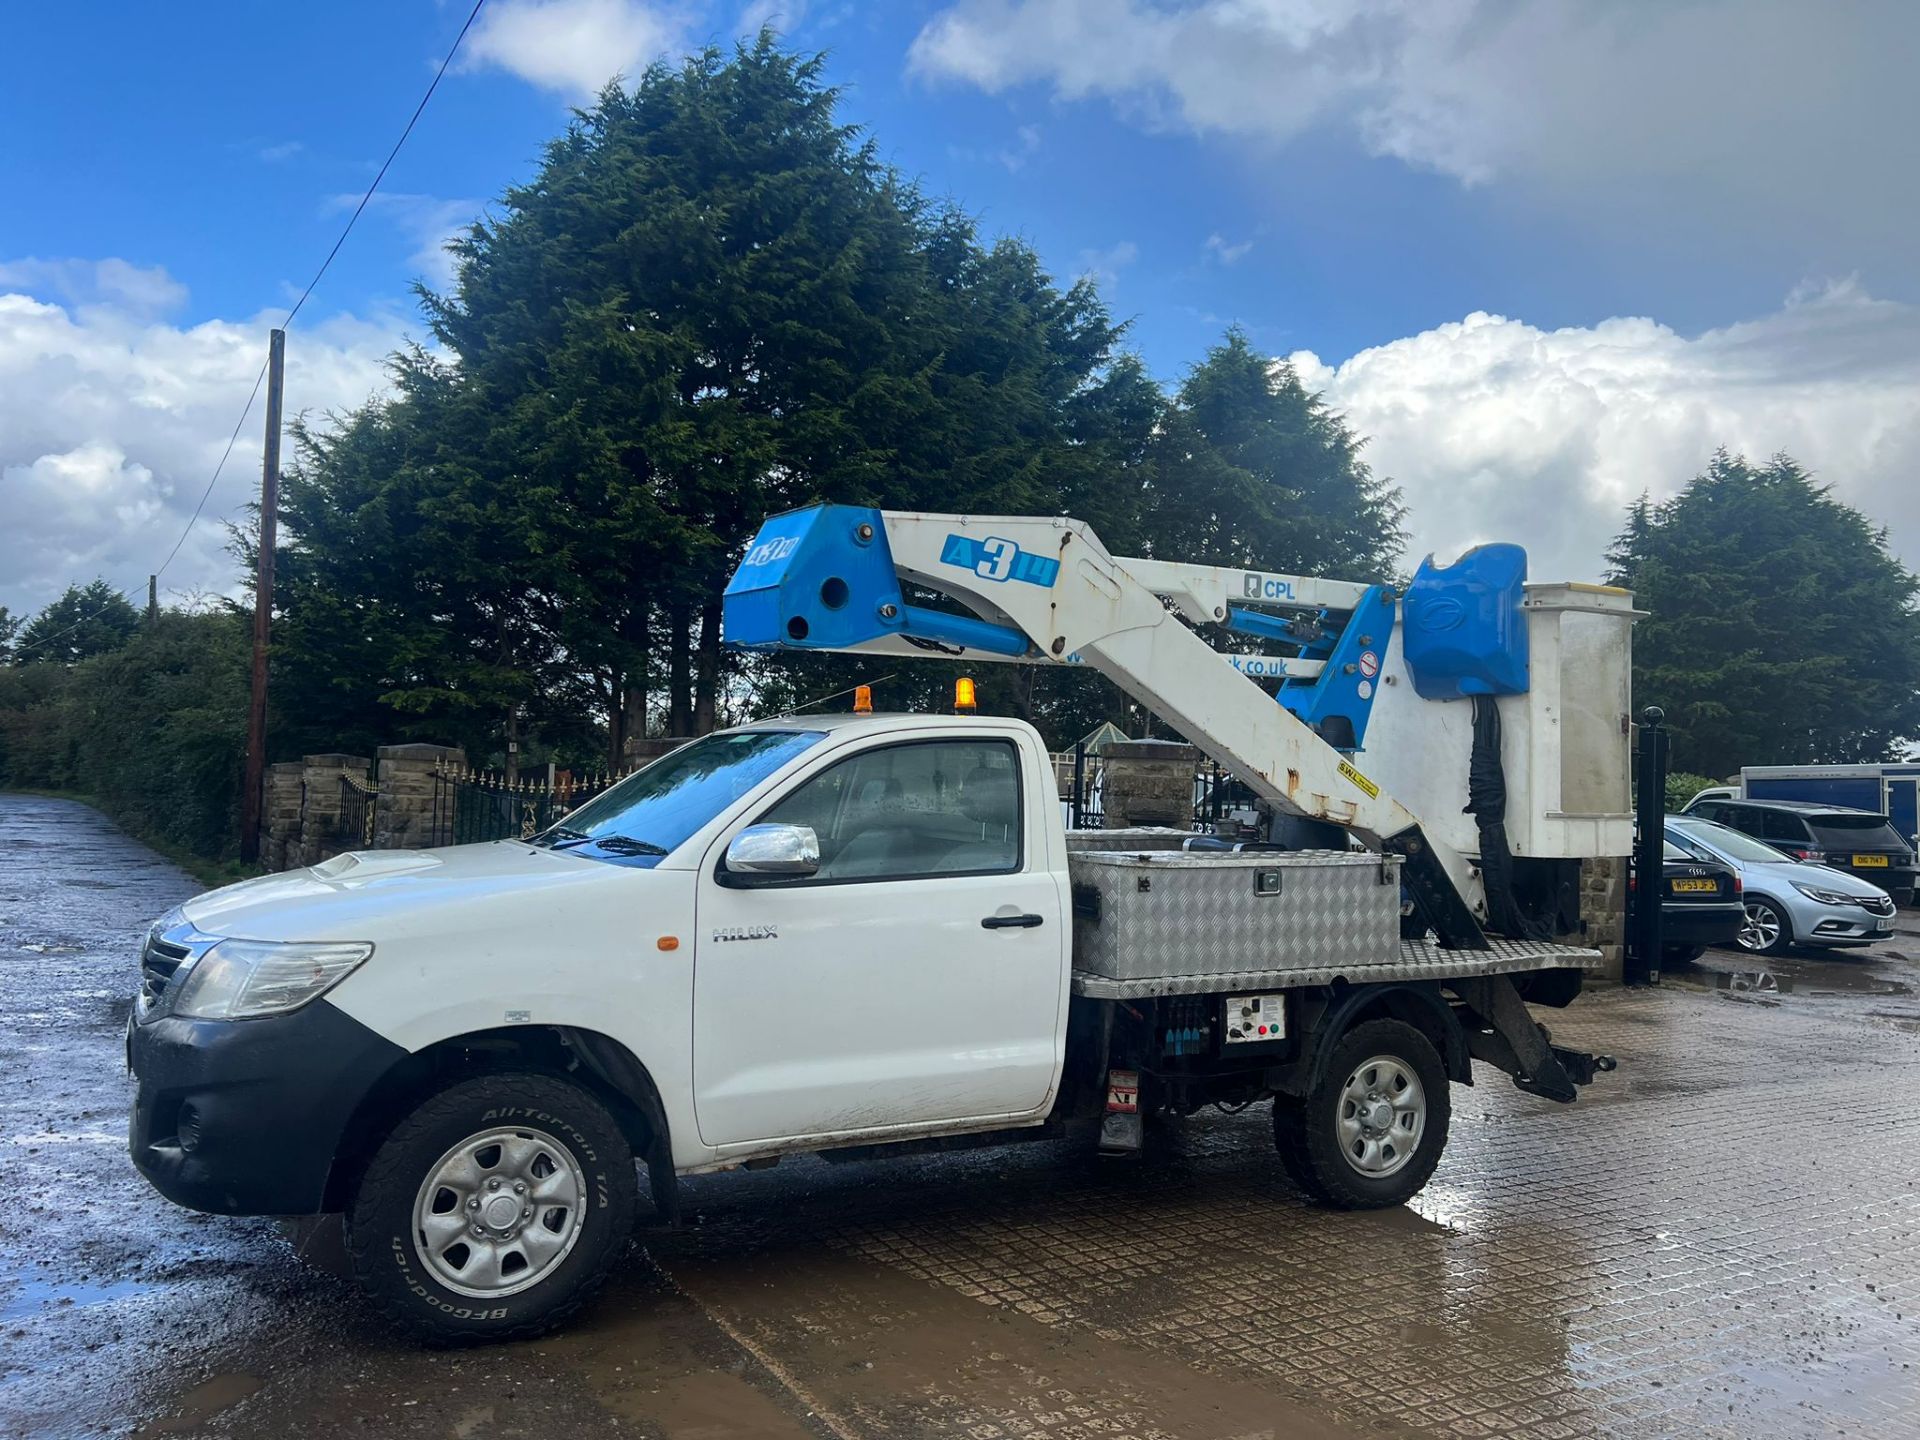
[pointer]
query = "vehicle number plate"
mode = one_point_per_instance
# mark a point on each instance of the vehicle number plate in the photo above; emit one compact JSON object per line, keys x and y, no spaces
{"x":1695,"y":887}
{"x":1871,"y":862}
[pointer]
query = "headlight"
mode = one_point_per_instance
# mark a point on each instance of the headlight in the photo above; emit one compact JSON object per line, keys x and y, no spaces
{"x":241,"y":979}
{"x":1825,"y":897}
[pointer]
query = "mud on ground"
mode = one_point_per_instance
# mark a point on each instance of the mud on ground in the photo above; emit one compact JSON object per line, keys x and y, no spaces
{"x":1721,"y":1239}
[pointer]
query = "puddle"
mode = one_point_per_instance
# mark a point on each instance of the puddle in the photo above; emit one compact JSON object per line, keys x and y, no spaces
{"x":1827,"y":980}
{"x":200,"y":1404}
{"x":36,"y":1297}
{"x":1757,"y":987}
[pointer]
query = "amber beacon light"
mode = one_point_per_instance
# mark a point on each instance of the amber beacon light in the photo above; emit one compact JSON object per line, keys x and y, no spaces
{"x":963,"y":701}
{"x":863,"y":700}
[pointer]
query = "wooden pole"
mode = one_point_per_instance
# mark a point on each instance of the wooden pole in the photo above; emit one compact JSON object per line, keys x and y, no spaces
{"x":251,"y":796}
{"x":153,"y":598}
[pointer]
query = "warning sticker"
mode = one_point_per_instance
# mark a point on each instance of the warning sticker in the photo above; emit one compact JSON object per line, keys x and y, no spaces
{"x":1369,"y":664}
{"x":1373,"y":790}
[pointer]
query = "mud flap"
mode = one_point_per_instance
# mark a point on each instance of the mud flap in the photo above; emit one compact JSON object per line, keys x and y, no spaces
{"x":1507,"y":1035}
{"x":663,"y":1185}
{"x":319,"y":1241}
{"x":1121,"y":1130}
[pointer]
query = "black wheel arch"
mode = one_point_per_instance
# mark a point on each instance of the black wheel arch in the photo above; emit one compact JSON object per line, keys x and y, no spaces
{"x":589,"y":1058}
{"x":1418,"y":1003}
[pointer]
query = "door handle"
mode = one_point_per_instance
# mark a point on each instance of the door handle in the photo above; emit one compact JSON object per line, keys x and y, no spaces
{"x":1012,"y":922}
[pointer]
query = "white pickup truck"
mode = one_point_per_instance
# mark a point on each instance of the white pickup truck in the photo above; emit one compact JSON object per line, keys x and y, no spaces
{"x":870,"y":934}
{"x":852,"y":935}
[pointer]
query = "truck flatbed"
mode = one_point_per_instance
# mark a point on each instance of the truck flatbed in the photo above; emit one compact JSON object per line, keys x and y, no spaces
{"x":1417,"y":960}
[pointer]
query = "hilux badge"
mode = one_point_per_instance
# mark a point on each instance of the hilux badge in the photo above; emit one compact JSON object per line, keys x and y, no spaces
{"x":747,"y":932}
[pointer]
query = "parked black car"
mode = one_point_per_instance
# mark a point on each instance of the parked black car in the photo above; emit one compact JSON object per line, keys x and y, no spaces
{"x":1700,"y":905}
{"x":1856,"y":842}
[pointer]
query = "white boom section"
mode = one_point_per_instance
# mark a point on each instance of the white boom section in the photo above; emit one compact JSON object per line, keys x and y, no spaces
{"x":1098,"y":613}
{"x":1203,"y":592}
{"x":1270,"y":667}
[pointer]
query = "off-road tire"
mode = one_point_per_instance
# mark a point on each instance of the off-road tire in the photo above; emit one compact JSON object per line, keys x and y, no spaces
{"x":380,"y":1221}
{"x":1306,"y":1133}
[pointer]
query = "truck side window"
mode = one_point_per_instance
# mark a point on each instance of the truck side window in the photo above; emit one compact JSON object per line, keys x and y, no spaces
{"x":912,"y":811}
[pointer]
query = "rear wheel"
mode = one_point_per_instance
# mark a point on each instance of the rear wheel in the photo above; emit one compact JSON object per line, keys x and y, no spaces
{"x":1371,"y":1132}
{"x":493,"y":1210}
{"x":1766,"y":930}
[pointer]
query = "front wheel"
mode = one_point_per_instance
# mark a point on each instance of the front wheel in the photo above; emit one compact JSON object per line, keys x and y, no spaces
{"x":493,"y":1210}
{"x":1371,"y":1131}
{"x":1766,"y":931}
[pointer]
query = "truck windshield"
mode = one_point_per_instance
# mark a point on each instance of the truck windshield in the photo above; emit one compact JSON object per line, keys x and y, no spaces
{"x":1854,"y":832}
{"x":653,"y":810}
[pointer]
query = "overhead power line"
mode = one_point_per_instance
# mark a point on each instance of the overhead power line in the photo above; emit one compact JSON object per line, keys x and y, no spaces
{"x":346,"y":230}
{"x":318,"y":275}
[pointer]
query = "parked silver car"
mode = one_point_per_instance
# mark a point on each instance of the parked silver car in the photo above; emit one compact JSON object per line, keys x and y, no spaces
{"x":1788,"y":901}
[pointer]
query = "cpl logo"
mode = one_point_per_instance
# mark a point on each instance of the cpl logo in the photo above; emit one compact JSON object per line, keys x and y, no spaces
{"x":1256,"y":586}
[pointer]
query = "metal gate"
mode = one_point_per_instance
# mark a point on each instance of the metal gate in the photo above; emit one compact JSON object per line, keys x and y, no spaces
{"x":470,"y":806}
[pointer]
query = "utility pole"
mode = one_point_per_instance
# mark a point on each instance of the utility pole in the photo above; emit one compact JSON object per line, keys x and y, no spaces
{"x":153,"y":598}
{"x":252,"y":796}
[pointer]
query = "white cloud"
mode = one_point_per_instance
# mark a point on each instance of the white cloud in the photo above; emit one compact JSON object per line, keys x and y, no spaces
{"x":1104,"y":266}
{"x":1501,"y":431}
{"x":111,"y":423}
{"x":428,"y":222}
{"x":1715,"y":109}
{"x":574,"y":47}
{"x":783,"y":15}
{"x":141,"y":289}
{"x":1227,"y":253}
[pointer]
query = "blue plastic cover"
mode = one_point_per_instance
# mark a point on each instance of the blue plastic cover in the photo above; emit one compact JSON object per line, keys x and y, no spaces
{"x":1465,"y":633}
{"x":823,"y":579}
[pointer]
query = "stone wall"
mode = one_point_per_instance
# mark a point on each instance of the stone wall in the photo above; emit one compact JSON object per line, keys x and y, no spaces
{"x":280,"y":814}
{"x":1603,"y":905}
{"x":405,"y":818}
{"x":320,"y":838}
{"x":1147,"y":782}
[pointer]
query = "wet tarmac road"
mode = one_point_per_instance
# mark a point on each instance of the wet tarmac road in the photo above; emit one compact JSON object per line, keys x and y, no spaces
{"x":1721,"y":1239}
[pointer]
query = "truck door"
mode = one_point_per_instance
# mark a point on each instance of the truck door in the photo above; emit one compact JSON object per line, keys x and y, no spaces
{"x":917,"y":979}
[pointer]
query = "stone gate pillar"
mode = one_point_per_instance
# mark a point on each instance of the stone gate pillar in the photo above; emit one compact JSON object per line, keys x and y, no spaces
{"x":320,"y":837}
{"x":405,"y":818}
{"x":1147,"y":782}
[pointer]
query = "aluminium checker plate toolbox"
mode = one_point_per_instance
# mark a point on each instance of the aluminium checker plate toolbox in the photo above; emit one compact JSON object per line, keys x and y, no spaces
{"x":1143,"y":915}
{"x":1177,"y":939}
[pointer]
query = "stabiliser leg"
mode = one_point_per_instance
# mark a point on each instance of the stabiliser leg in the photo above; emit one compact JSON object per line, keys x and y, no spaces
{"x":1507,"y":1035}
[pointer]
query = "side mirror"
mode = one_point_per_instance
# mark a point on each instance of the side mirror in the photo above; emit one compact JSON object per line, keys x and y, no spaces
{"x":764,"y":854}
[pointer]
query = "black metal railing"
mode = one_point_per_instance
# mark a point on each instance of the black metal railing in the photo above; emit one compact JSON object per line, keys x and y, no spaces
{"x":359,"y":809}
{"x":470,"y":806}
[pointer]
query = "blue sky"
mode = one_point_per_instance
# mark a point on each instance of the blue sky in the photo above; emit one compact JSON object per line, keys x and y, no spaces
{"x":1546,"y":255}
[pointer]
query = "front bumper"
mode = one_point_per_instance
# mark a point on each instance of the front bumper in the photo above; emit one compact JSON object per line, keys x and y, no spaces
{"x":1817,"y":924}
{"x":244,"y":1117}
{"x":1701,"y":924}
